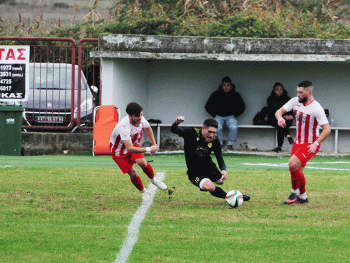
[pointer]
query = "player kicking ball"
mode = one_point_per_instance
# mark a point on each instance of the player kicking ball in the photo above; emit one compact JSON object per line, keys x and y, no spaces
{"x":198,"y":144}
{"x":126,"y":150}
{"x":309,"y":117}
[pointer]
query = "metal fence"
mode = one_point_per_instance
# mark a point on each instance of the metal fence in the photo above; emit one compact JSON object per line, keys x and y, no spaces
{"x":63,"y":87}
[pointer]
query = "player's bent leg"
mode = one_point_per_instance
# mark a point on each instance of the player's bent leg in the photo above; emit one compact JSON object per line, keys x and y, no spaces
{"x":148,"y":170}
{"x":136,"y":180}
{"x":294,"y":167}
{"x":141,"y":162}
{"x":207,"y":185}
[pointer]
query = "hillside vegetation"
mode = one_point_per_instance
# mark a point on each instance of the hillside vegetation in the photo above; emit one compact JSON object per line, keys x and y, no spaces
{"x":324,"y":19}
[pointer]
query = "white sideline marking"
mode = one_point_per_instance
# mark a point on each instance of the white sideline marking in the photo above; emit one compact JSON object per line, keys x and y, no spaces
{"x":133,"y":229}
{"x":286,"y":165}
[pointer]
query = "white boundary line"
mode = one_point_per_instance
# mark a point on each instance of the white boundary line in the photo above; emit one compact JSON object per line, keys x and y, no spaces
{"x":135,"y":224}
{"x":286,"y":165}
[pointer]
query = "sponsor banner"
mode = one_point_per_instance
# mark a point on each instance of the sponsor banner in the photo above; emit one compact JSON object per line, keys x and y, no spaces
{"x":14,"y":68}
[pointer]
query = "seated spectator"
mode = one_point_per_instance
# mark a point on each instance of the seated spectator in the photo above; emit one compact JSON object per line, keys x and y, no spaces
{"x":225,"y":105}
{"x":279,"y":96}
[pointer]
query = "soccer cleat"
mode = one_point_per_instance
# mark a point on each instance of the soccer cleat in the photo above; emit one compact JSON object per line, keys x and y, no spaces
{"x":246,"y":197}
{"x":159,"y":184}
{"x":292,"y":198}
{"x":290,"y":140}
{"x":146,"y":196}
{"x":277,"y":149}
{"x":301,"y":201}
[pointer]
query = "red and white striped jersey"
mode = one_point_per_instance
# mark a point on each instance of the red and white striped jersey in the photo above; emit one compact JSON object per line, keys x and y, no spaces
{"x":308,"y":119}
{"x":125,"y":131}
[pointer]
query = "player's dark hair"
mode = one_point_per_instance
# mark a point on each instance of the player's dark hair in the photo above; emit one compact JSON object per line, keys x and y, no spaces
{"x":134,"y":109}
{"x":226,"y":79}
{"x":211,"y":122}
{"x":305,"y":84}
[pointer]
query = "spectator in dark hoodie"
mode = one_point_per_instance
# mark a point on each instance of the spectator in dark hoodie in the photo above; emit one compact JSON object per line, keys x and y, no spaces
{"x":225,"y":105}
{"x":279,"y":97}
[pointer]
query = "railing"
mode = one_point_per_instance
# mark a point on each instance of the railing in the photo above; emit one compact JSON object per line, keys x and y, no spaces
{"x":60,"y":97}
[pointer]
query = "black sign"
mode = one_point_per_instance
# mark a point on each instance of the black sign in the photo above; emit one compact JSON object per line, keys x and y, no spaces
{"x":12,"y":81}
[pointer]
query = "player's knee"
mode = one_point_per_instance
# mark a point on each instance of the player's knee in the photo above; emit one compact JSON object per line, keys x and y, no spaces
{"x":207,"y":185}
{"x":132,"y":173}
{"x":292,"y":166}
{"x":142,"y":163}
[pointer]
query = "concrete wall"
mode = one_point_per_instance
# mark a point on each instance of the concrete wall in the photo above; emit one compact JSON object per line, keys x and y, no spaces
{"x":39,"y":143}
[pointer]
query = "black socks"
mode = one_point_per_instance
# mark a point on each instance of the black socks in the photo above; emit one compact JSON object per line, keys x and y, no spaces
{"x":218,"y":192}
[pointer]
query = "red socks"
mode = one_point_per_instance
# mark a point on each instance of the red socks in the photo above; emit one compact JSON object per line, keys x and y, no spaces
{"x":295,"y":176}
{"x":149,"y":171}
{"x":137,"y":182}
{"x":302,"y":184}
{"x":298,"y":180}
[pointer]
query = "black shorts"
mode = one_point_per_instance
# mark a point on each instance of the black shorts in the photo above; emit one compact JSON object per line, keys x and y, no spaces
{"x":212,"y":173}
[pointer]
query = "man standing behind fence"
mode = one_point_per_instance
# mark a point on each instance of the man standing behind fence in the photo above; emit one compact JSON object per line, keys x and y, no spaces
{"x":309,"y":116}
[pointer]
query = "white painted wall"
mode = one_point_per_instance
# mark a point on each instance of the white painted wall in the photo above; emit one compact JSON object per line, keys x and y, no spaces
{"x":183,"y":87}
{"x":124,"y":81}
{"x":168,"y":88}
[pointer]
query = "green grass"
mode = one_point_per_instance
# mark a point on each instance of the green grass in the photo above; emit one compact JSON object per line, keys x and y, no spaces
{"x":78,"y":208}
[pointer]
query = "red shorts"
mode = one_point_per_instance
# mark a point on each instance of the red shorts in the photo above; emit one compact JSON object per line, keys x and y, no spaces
{"x":126,"y":162}
{"x":301,"y":151}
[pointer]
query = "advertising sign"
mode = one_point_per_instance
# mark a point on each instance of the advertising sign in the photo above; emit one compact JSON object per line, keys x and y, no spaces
{"x":14,"y":68}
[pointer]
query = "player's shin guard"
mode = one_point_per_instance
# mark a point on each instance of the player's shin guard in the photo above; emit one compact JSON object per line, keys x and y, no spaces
{"x":148,"y":170}
{"x":137,"y":182}
{"x":296,"y":177}
{"x":218,"y":192}
{"x":302,"y":184}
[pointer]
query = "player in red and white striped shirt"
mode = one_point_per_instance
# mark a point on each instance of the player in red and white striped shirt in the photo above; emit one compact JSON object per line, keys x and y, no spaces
{"x":309,"y":117}
{"x":126,"y":150}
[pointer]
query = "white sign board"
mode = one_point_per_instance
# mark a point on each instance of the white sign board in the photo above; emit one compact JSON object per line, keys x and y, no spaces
{"x":14,"y":76}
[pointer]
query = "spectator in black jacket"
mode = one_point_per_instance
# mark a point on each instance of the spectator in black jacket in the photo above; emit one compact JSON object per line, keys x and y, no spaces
{"x":279,"y":97}
{"x":226,"y":104}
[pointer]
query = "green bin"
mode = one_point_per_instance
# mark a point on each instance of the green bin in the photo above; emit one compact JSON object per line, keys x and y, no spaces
{"x":11,"y":130}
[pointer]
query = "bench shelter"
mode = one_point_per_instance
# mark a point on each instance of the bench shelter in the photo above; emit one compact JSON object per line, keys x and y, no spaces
{"x":171,"y":76}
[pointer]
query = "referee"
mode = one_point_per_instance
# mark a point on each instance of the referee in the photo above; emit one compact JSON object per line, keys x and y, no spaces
{"x":198,"y":145}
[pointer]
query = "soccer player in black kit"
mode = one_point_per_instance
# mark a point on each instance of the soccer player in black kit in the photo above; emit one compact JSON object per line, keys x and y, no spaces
{"x":198,"y":144}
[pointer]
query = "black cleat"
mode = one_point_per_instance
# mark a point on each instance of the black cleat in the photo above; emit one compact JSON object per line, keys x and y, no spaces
{"x":246,"y":197}
{"x":277,"y":149}
{"x":301,"y":201}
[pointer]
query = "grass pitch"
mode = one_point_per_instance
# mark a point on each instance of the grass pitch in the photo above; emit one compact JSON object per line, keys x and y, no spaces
{"x":78,"y":209}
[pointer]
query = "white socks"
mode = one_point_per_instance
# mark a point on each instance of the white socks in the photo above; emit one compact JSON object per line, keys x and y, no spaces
{"x":297,"y":192}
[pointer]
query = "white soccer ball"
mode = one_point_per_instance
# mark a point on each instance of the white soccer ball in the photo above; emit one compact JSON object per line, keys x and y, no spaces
{"x":234,"y":198}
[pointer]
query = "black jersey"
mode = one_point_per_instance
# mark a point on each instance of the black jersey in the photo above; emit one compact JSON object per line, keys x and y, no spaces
{"x":197,"y":150}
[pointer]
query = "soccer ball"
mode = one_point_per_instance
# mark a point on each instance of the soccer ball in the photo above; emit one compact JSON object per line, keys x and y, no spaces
{"x":234,"y":198}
